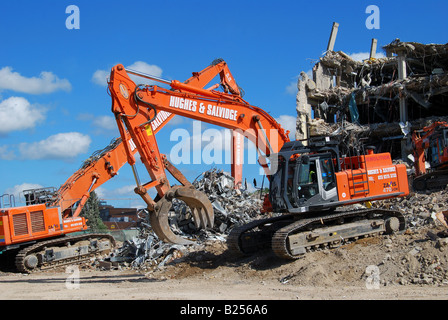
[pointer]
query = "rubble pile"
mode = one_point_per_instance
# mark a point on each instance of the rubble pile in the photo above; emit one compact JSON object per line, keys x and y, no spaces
{"x":419,"y":258}
{"x":420,"y":209}
{"x":143,"y":252}
{"x":377,"y":95}
{"x":232,"y":207}
{"x":375,"y":85}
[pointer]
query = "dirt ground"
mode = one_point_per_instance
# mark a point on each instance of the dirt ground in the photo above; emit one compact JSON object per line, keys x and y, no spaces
{"x":413,"y":265}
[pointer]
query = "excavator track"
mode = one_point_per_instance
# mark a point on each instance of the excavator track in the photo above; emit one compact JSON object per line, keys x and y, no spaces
{"x":290,"y":238}
{"x":62,"y":251}
{"x":431,"y":181}
{"x":253,"y":236}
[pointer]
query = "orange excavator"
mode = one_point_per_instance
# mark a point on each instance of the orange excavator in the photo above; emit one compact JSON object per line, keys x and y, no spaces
{"x":40,"y":233}
{"x":311,"y":182}
{"x":431,"y":145}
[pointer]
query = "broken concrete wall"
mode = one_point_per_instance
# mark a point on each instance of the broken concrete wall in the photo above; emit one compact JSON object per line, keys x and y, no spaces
{"x":367,"y":93}
{"x":304,"y":85}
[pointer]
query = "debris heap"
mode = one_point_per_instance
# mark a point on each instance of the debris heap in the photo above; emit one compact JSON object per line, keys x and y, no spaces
{"x":382,"y":99}
{"x":232,"y":207}
{"x":145,"y":251}
{"x":419,"y":209}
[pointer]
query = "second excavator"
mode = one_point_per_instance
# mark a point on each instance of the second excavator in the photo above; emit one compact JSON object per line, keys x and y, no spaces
{"x":430,"y":146}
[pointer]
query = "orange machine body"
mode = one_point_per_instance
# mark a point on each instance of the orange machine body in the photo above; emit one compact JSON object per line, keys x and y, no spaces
{"x":35,"y":222}
{"x":431,"y":144}
{"x":371,"y":177}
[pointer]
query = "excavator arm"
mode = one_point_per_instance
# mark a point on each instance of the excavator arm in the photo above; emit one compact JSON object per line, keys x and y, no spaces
{"x":218,"y":66}
{"x":95,"y":171}
{"x":136,"y":108}
{"x":133,"y":106}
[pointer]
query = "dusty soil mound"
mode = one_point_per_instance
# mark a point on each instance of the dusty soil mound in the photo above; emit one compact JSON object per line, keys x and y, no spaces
{"x":418,"y":257}
{"x":413,"y":264}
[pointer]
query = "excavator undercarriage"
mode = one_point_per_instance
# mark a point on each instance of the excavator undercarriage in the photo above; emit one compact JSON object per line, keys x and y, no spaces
{"x":433,"y":180}
{"x":291,"y":236}
{"x":62,"y":251}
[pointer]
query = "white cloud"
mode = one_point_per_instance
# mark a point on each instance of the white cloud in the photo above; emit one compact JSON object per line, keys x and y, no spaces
{"x":6,"y":154}
{"x":85,"y":116}
{"x":288,"y":123}
{"x":100,"y":76}
{"x":17,"y":190}
{"x":16,"y":113}
{"x":47,"y":82}
{"x":123,"y":196}
{"x":126,"y":191}
{"x":100,"y":124}
{"x":146,"y":68}
{"x":58,"y":146}
{"x":292,"y":88}
{"x":105,"y":122}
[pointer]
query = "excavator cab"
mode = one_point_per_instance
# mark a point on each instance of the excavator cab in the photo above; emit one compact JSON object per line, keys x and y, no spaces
{"x":305,"y":179}
{"x":315,"y":177}
{"x":438,"y":149}
{"x":305,"y":176}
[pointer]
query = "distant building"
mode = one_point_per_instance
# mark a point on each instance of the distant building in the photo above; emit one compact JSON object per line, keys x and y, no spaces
{"x":118,"y":218}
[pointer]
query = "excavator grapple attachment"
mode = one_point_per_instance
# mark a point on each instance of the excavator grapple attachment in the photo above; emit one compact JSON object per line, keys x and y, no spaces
{"x":201,"y":209}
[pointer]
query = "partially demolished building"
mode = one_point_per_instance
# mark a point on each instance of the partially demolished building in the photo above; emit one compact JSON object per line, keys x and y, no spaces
{"x":381,"y":100}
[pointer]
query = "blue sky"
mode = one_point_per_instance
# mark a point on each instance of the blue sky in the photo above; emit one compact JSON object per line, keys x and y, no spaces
{"x":55,"y":109}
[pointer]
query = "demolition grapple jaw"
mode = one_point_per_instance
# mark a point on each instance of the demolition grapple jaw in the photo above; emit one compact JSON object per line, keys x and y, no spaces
{"x":201,"y":209}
